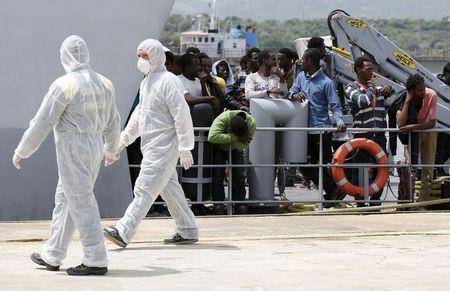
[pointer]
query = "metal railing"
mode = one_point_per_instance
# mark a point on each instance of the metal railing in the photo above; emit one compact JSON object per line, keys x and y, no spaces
{"x":320,"y":196}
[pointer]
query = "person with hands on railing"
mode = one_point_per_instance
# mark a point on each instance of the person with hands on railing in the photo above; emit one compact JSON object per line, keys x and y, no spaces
{"x":268,"y":81}
{"x":367,"y":105}
{"x":285,"y":58}
{"x":314,"y":86}
{"x":418,"y":112}
{"x":232,"y":130}
{"x":193,"y":80}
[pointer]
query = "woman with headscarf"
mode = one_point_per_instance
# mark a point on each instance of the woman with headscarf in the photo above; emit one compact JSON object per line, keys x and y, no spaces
{"x":222,"y":69}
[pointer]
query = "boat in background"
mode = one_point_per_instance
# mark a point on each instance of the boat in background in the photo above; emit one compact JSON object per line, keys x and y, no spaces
{"x":209,"y":39}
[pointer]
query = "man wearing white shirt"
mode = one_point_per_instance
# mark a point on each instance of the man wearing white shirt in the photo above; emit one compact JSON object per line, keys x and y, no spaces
{"x":195,"y":91}
{"x":203,"y":109}
{"x":193,"y":87}
{"x":268,"y":82}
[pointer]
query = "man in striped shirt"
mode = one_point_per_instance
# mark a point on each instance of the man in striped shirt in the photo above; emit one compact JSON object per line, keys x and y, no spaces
{"x":366,"y":102}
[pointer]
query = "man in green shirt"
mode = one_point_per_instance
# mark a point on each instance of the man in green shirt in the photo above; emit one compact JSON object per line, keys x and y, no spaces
{"x":232,"y":129}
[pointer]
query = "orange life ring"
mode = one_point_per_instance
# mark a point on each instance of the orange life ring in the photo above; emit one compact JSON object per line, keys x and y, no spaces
{"x":339,"y":158}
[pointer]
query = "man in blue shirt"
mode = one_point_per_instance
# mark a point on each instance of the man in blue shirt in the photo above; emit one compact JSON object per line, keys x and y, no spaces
{"x":313,"y":85}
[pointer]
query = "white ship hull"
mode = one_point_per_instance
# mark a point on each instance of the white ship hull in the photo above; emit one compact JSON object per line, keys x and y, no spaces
{"x":31,"y":33}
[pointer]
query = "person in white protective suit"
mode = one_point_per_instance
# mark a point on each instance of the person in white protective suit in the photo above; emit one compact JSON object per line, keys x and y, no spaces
{"x":163,"y":121}
{"x":80,"y":108}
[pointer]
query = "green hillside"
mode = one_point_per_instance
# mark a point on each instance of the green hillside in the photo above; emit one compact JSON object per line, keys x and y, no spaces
{"x":418,"y":36}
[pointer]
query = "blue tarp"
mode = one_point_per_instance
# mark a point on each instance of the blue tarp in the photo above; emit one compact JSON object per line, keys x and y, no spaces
{"x":237,"y":33}
{"x":250,"y":37}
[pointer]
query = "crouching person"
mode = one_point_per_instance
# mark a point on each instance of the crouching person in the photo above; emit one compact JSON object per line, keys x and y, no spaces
{"x":233,"y":130}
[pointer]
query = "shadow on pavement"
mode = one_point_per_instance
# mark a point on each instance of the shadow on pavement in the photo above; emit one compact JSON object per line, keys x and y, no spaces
{"x":197,"y":246}
{"x":151,"y":272}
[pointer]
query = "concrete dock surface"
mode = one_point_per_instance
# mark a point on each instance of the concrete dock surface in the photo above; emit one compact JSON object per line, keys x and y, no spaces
{"x":407,"y":251}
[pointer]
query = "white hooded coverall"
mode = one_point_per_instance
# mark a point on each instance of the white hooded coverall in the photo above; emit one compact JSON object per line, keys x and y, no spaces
{"x":80,"y":108}
{"x":163,"y":121}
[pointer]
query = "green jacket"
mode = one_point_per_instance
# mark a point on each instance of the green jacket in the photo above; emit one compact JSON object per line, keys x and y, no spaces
{"x":220,"y":134}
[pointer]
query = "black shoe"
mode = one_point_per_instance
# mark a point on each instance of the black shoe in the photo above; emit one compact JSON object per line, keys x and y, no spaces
{"x":179,"y":240}
{"x":38,"y":260}
{"x":112,"y":234}
{"x":83,"y":270}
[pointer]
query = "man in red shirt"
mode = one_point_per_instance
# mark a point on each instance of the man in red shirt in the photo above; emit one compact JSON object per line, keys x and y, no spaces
{"x":419,"y":112}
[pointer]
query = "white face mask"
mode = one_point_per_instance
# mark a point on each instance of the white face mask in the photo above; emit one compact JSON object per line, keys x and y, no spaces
{"x":144,"y":66}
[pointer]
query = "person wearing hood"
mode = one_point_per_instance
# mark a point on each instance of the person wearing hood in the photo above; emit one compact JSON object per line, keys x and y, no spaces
{"x":222,"y":69}
{"x":163,"y":122}
{"x":80,"y":108}
{"x":215,"y":86}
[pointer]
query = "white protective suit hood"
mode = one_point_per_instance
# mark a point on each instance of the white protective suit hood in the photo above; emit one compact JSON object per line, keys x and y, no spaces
{"x":74,"y":54}
{"x":155,"y":52}
{"x":80,"y":107}
{"x":163,"y":121}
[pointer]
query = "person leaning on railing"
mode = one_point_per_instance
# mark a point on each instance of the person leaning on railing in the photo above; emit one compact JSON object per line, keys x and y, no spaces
{"x":313,"y":85}
{"x":232,"y":130}
{"x":418,"y":112}
{"x":267,"y":82}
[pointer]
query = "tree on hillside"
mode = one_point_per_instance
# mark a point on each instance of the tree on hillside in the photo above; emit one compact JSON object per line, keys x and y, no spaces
{"x":416,"y":36}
